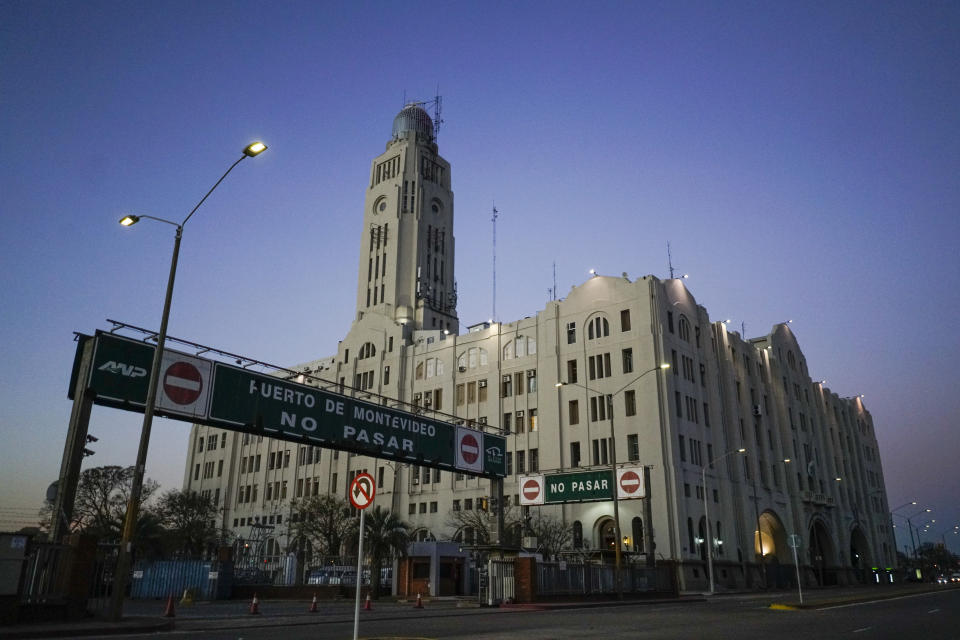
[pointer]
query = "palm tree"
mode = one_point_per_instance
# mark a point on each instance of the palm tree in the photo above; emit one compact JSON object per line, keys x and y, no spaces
{"x":386,"y":537}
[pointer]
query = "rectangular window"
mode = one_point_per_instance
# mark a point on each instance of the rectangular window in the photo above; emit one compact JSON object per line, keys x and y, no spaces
{"x":534,"y":460}
{"x":460,"y":394}
{"x":533,"y":420}
{"x":196,"y":472}
{"x":412,"y":509}
{"x":573,"y":412}
{"x":678,"y":400}
{"x":507,"y":422}
{"x":571,"y":332}
{"x":219,"y":468}
{"x":223,"y":440}
{"x":670,"y":321}
{"x":521,"y":462}
{"x":433,"y":507}
{"x":625,"y":320}
{"x":506,"y":386}
{"x":706,"y":414}
{"x":600,"y":447}
{"x":386,"y":375}
{"x":482,"y":391}
{"x":683,"y":449}
{"x":437,"y":399}
{"x":574,"y":454}
{"x":471,"y":392}
{"x":519,"y":381}
{"x":509,"y":463}
{"x":571,"y":371}
{"x":633,"y":447}
{"x":532,"y":381}
{"x":468,"y":504}
{"x":630,"y":402}
{"x":627,"y":360}
{"x":519,"y":422}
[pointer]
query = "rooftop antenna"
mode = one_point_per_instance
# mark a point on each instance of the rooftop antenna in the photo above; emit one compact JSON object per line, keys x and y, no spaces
{"x":669,"y":261}
{"x":494,"y":220}
{"x":437,"y":120}
{"x":554,"y":290}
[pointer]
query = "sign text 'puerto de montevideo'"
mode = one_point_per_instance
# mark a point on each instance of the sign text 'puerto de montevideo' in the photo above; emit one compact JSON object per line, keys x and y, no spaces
{"x":221,"y":395}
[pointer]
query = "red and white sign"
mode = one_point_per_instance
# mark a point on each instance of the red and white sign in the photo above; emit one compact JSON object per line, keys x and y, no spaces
{"x":469,"y":450}
{"x":184,"y":385}
{"x":362,"y":491}
{"x":531,"y":490}
{"x":630,"y":482}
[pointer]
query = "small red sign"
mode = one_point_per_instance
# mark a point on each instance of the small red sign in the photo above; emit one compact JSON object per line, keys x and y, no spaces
{"x":469,"y":449}
{"x":182,"y":383}
{"x":362,"y":490}
{"x":531,"y":489}
{"x":630,"y":482}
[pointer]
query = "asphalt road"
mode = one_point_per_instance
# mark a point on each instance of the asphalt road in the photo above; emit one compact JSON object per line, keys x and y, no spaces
{"x":928,"y":616}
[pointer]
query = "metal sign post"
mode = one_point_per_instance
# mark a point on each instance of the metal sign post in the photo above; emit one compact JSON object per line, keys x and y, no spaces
{"x":794,"y":542}
{"x":362,"y":490}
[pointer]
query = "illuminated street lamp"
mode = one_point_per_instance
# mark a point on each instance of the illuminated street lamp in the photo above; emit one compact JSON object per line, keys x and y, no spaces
{"x":706,"y":512}
{"x":617,"y":536}
{"x":133,"y":505}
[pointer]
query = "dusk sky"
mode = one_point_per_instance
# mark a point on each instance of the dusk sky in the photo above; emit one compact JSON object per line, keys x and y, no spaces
{"x":801,"y":158}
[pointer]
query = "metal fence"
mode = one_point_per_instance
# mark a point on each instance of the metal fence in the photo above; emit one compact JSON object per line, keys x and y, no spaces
{"x":502,"y":586}
{"x":588,"y":578}
{"x":44,"y":574}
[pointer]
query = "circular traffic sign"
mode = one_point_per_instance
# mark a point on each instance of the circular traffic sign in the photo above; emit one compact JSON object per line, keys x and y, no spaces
{"x":182,"y":383}
{"x":630,"y":482}
{"x":469,"y":449}
{"x":362,"y":490}
{"x":531,"y":489}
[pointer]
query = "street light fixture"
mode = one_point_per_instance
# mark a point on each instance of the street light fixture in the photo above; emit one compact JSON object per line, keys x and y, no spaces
{"x":706,"y":512}
{"x":617,"y":535}
{"x":133,"y":505}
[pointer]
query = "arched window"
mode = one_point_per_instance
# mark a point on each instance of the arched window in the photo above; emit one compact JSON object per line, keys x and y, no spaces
{"x":483,"y":357}
{"x":684,"y":328}
{"x":521,"y":348}
{"x":577,"y":535}
{"x":368,"y":350}
{"x":531,"y":346}
{"x":599,"y":327}
{"x":462,"y":360}
{"x":637,"y":525}
{"x":419,"y":373}
{"x":508,"y":350}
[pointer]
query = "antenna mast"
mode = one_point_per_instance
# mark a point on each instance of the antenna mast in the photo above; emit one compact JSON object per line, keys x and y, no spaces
{"x":669,"y":261}
{"x":494,"y":220}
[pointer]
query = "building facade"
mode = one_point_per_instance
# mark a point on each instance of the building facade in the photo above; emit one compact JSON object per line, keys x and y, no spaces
{"x":810,"y":466}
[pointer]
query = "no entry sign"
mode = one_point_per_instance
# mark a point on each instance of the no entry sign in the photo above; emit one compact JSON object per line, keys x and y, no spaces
{"x":362,"y":490}
{"x":630,"y":483}
{"x":468,"y":449}
{"x":531,"y":490}
{"x":184,"y":385}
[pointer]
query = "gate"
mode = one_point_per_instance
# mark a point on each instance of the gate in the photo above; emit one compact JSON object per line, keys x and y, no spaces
{"x":500,"y":581}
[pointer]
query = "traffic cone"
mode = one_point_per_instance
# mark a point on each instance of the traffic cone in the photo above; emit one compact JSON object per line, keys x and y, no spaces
{"x":419,"y":604}
{"x":313,"y":605}
{"x":255,"y":606}
{"x":169,"y":612}
{"x":366,"y":605}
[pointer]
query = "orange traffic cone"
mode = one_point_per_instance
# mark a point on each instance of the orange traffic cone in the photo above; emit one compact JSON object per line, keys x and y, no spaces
{"x":419,"y":604}
{"x":255,"y":606}
{"x":313,"y":605}
{"x":169,"y":613}
{"x":366,"y":605}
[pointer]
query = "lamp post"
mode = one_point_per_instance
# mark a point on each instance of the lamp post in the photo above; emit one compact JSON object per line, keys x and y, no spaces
{"x":617,"y":536}
{"x":706,"y":512}
{"x":133,"y":505}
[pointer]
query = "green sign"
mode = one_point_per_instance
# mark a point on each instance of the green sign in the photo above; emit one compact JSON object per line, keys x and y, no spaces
{"x":242,"y":400}
{"x":584,"y":486}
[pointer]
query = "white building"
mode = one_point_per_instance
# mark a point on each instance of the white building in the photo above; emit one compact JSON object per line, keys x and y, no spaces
{"x":811,"y":466}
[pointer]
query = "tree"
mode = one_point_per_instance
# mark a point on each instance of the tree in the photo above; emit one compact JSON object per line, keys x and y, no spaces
{"x":190,"y":520}
{"x":478,"y":526}
{"x":101,"y":502}
{"x":324,"y":521}
{"x":385,"y":537}
{"x":552,"y":534}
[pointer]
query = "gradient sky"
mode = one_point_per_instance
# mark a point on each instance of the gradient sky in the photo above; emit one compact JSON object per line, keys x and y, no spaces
{"x":801,"y":158}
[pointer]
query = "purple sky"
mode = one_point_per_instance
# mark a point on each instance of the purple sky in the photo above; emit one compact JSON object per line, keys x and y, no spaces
{"x":801,"y":158}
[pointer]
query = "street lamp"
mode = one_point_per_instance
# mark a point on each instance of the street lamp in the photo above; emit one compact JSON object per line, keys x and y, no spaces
{"x":706,"y":512}
{"x":136,"y":488}
{"x":617,"y":536}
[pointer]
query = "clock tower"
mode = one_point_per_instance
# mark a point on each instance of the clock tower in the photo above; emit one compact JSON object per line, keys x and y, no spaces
{"x":406,"y":242}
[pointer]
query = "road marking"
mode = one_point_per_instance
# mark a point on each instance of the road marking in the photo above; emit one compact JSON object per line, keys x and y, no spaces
{"x":860,"y":630}
{"x":933,"y":610}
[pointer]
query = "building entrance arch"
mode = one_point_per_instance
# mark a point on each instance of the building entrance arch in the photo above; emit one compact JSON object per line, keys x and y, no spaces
{"x":823,"y":553}
{"x":770,"y":547}
{"x":860,"y":557}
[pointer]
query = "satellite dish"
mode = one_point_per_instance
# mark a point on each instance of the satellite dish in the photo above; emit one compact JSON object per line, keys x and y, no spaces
{"x":52,"y":491}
